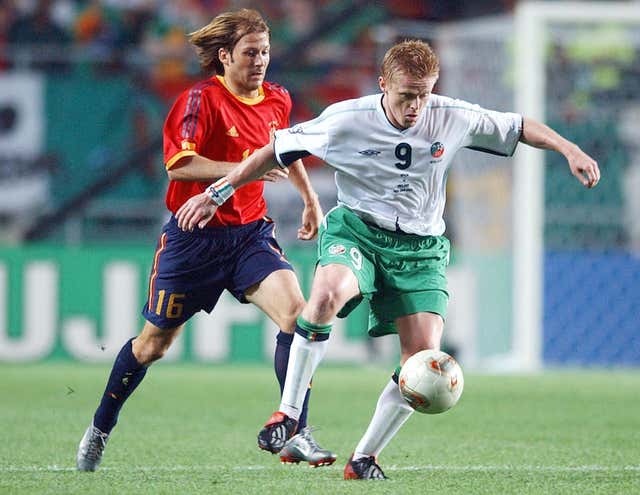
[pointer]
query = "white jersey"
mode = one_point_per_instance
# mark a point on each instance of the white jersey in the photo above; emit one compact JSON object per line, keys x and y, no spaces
{"x":396,"y":178}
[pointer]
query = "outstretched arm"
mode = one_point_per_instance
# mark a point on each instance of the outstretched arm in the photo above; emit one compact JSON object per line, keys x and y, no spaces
{"x":582,"y":166}
{"x":198,"y":168}
{"x":312,"y":213}
{"x":199,"y":209}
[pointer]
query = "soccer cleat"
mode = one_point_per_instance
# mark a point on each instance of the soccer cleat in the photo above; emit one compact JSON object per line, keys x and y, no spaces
{"x":277,"y":430}
{"x":303,"y":448}
{"x":365,"y":468}
{"x":91,"y":449}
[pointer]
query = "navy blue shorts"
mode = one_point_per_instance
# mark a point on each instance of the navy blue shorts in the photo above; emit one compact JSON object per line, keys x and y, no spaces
{"x":191,"y":269}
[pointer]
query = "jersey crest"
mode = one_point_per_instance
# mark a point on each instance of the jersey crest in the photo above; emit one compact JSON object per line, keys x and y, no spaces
{"x":437,"y":149}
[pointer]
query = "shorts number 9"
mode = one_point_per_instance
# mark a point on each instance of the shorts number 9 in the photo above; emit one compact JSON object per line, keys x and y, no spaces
{"x":356,"y":256}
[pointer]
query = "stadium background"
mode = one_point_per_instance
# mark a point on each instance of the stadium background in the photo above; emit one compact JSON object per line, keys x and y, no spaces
{"x":84,"y":88}
{"x":545,"y":276}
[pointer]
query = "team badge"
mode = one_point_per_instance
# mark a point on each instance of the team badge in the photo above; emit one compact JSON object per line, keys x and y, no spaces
{"x":437,"y":149}
{"x":337,"y":249}
{"x":187,"y":145}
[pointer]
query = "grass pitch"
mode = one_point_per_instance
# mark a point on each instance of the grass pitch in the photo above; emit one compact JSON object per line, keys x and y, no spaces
{"x":192,"y":429}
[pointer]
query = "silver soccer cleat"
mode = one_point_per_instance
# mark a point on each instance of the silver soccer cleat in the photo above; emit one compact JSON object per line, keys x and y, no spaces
{"x":90,"y":449}
{"x":303,"y":448}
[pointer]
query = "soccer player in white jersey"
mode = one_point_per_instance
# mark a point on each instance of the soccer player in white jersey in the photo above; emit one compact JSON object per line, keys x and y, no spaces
{"x":384,"y":241}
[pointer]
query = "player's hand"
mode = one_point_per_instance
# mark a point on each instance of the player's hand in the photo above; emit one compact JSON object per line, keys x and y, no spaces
{"x":311,"y":219}
{"x":275,"y":175}
{"x":584,"y":168}
{"x":197,"y":211}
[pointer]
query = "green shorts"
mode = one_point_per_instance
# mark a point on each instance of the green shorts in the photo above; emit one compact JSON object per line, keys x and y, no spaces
{"x":400,"y":274}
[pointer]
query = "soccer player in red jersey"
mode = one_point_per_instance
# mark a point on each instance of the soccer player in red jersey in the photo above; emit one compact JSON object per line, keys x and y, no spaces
{"x":210,"y":129}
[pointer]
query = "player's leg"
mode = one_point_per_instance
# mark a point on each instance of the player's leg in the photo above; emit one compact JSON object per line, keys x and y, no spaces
{"x":344,"y":273}
{"x":416,"y":331}
{"x":333,"y":285}
{"x":283,"y":310}
{"x":129,"y":368}
{"x":262,"y":272}
{"x":412,"y":301}
{"x":180,"y":259}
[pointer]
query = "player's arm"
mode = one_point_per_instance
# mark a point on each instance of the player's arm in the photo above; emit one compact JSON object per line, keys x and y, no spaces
{"x":199,"y":209}
{"x":312,"y":213}
{"x":582,"y":166}
{"x":198,"y":168}
{"x":289,"y":146}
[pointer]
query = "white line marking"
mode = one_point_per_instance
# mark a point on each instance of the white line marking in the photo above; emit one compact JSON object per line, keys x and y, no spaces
{"x":507,"y":467}
{"x":428,"y":467}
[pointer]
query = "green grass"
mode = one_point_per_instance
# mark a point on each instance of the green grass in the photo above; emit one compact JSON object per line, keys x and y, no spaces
{"x":192,"y":429}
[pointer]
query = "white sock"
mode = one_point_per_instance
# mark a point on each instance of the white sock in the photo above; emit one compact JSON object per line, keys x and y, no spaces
{"x":391,"y":413}
{"x":304,"y":358}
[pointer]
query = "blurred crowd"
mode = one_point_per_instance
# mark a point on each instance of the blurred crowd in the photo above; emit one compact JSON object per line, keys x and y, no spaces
{"x":150,"y":35}
{"x":323,"y":51}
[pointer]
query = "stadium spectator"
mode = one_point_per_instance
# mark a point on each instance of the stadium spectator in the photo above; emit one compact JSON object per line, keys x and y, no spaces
{"x":7,"y":13}
{"x":170,"y":72}
{"x":38,"y":32}
{"x":384,"y":242}
{"x":209,"y":129}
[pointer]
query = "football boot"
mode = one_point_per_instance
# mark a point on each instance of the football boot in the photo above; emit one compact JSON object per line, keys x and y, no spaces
{"x":302,"y":447}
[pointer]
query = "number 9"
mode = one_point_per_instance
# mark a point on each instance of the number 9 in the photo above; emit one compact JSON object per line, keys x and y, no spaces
{"x":403,"y":153}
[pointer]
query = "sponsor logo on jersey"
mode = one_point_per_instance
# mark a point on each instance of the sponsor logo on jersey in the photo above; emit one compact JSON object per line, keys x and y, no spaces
{"x":437,"y":149}
{"x":233,"y":132}
{"x":337,"y":249}
{"x":369,"y":152}
{"x":188,"y":145}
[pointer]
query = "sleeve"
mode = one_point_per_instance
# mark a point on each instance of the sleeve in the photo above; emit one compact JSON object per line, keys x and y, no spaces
{"x":492,"y":132}
{"x":186,"y":126}
{"x":308,"y":138}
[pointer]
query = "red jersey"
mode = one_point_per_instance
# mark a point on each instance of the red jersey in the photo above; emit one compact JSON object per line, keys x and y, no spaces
{"x":211,"y":121}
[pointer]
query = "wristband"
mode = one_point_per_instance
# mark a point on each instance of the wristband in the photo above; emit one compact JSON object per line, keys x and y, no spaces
{"x":220,"y":191}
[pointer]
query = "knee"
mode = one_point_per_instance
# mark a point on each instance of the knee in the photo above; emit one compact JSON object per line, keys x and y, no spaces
{"x":287,"y":313}
{"x":146,"y":351}
{"x":293,"y":308}
{"x":327,"y":302}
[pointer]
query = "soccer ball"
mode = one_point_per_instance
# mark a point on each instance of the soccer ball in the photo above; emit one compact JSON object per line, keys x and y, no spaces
{"x":431,"y":381}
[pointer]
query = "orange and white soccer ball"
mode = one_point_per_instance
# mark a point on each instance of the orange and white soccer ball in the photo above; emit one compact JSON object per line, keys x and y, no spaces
{"x":431,"y":381}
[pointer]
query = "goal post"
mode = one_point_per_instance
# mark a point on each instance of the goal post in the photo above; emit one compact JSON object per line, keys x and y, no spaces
{"x":530,"y":22}
{"x":554,"y":267}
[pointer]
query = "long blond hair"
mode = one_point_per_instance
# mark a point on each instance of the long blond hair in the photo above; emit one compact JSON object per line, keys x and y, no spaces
{"x":224,"y":31}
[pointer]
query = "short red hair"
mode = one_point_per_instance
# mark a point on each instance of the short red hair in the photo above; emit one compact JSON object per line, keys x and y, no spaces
{"x":412,"y":57}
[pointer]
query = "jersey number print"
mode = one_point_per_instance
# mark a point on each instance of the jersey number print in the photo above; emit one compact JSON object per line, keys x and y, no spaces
{"x":403,"y":153}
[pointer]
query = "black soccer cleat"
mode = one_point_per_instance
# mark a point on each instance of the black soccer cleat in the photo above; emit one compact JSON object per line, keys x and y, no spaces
{"x":276,"y":431}
{"x":365,"y":468}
